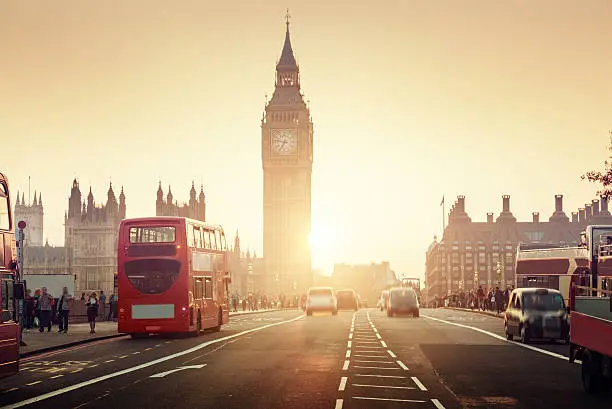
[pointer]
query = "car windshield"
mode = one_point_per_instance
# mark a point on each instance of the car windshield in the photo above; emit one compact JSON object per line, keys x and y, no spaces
{"x":543,"y":302}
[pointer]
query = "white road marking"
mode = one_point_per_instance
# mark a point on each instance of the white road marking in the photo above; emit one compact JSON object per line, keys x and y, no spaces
{"x":110,"y":360}
{"x":346,"y":365}
{"x":380,"y":362}
{"x":390,"y":400}
{"x":93,"y":381}
{"x":348,"y":345}
{"x":56,"y":376}
{"x":378,"y":336}
{"x":391,"y":353}
{"x":482,"y":331}
{"x":348,"y":353}
{"x":135,"y":353}
{"x":437,"y":403}
{"x":180,"y":368}
{"x":383,"y":343}
{"x":366,"y":342}
{"x":33,"y":383}
{"x":123,"y":356}
{"x":369,"y":356}
{"x":383,"y":386}
{"x":339,"y":403}
{"x":342,"y":383}
{"x":10,"y":390}
{"x":364,"y":336}
{"x":404,"y":367}
{"x":382,"y":376}
{"x":351,"y":335}
{"x":419,"y":383}
{"x":377,"y":367}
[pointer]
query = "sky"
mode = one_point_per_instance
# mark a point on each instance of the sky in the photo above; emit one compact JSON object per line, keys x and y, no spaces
{"x":410,"y":101}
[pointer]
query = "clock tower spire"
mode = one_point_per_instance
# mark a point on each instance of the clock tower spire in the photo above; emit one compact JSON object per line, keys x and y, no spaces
{"x":287,"y":146}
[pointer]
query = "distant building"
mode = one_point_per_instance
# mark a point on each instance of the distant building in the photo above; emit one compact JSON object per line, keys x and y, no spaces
{"x":195,"y":209}
{"x":246,"y":271}
{"x":468,"y":253}
{"x":91,"y":233}
{"x":368,"y":280}
{"x":33,"y":215}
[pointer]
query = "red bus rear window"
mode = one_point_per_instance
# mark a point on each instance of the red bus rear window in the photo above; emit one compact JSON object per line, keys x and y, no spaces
{"x":153,"y":234}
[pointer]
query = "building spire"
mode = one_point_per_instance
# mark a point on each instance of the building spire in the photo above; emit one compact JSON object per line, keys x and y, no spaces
{"x":287,"y":58}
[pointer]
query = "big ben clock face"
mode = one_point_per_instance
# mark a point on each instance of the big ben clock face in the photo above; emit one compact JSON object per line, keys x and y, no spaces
{"x":284,"y":141}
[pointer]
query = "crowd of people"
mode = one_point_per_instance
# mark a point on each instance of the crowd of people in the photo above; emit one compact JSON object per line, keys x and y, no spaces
{"x":43,"y":309}
{"x":492,"y":299}
{"x":255,"y":302}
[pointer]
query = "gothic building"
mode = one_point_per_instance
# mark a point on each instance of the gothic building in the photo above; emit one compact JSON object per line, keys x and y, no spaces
{"x":246,"y":269}
{"x":287,"y":156}
{"x":195,"y":209}
{"x":468,"y":253}
{"x":33,"y":215}
{"x":91,"y":232}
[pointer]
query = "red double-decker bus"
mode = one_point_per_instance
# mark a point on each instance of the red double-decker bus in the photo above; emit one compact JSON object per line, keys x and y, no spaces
{"x":173,"y":276}
{"x":9,"y":329}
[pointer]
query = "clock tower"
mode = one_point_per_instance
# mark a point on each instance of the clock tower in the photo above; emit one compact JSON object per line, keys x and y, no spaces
{"x":286,"y":153}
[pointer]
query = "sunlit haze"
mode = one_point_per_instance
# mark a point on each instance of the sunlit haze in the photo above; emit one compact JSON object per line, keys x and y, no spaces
{"x":410,"y":100}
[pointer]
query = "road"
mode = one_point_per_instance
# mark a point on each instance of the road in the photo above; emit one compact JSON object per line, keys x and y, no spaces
{"x":445,"y":359}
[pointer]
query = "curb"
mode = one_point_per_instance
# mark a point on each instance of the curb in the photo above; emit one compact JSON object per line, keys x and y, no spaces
{"x":69,"y":344}
{"x":475,"y":312}
{"x":90,"y":340}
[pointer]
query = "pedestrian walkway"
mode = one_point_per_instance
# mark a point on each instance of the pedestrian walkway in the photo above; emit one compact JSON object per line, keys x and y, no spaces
{"x":79,"y":333}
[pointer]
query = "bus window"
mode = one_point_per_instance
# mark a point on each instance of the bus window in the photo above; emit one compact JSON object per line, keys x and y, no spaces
{"x":197,"y":237}
{"x":208,"y":288}
{"x":6,"y":297}
{"x":213,"y":241}
{"x":190,"y":239}
{"x":223,"y":247}
{"x":5,"y":220}
{"x":207,"y":239}
{"x":198,"y":289}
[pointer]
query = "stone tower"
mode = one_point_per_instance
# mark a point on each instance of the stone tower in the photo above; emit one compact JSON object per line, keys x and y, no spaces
{"x":33,"y":215}
{"x":287,"y":155}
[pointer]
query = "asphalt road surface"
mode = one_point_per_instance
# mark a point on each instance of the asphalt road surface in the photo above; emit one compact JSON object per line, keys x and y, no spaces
{"x":444,"y":359}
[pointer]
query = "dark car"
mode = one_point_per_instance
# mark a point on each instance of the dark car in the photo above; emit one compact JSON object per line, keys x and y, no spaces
{"x":403,"y":301}
{"x":347,"y":300}
{"x":536,"y":313}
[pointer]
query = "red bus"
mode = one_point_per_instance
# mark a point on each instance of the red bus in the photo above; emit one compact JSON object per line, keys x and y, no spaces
{"x":9,"y":329}
{"x":173,"y":276}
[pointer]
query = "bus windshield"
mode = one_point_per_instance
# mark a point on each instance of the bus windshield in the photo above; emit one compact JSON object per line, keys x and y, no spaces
{"x":153,"y":234}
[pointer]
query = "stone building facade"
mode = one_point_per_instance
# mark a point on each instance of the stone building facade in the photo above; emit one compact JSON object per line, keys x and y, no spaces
{"x":247,"y":271}
{"x":91,"y":232}
{"x":33,"y":214}
{"x":195,"y":209}
{"x":468,"y":253}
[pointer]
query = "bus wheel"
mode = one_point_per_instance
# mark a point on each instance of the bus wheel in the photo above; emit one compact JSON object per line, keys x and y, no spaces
{"x":219,"y":322}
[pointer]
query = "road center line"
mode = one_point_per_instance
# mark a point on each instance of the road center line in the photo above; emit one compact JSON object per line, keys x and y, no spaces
{"x":348,"y":353}
{"x":342,"y":383}
{"x":499,"y":337}
{"x":339,"y":403}
{"x":437,"y":404}
{"x":390,"y":400}
{"x":382,"y":376}
{"x":404,"y":367}
{"x":349,"y":344}
{"x":383,"y":343}
{"x":142,"y":366}
{"x":391,"y":353}
{"x":346,"y":365}
{"x":382,"y":386}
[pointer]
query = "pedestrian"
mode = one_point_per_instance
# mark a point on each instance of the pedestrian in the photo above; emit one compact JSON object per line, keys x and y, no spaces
{"x":64,"y":310}
{"x":45,"y":307}
{"x":102,"y":304}
{"x":92,"y":311}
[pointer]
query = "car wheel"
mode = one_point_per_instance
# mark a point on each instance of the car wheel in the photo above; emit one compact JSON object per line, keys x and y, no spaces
{"x":509,"y":336}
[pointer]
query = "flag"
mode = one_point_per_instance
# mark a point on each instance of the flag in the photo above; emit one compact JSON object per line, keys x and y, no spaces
{"x":442,"y":202}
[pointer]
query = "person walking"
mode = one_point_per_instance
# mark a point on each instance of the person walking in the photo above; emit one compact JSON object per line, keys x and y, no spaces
{"x":64,"y":310}
{"x":92,"y":311}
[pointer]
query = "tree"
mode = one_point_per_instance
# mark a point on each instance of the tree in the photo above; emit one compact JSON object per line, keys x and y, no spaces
{"x":605,"y":177}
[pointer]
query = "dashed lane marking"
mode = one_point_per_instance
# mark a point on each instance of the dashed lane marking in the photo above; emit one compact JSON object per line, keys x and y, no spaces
{"x":390,"y":400}
{"x":419,"y":383}
{"x":10,"y":390}
{"x":342,"y":383}
{"x":346,"y":365}
{"x":377,"y":367}
{"x":379,"y":362}
{"x":391,"y":353}
{"x":56,"y":376}
{"x":381,"y":376}
{"x":93,"y":381}
{"x":110,"y":360}
{"x":437,"y":403}
{"x":33,"y":383}
{"x":378,"y":336}
{"x":348,"y":353}
{"x":383,"y":343}
{"x":382,"y":386}
{"x":349,"y":344}
{"x":400,"y":363}
{"x":339,"y":403}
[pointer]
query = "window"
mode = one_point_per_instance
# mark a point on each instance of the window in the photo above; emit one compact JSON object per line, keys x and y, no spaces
{"x":208,"y":288}
{"x":197,"y":237}
{"x":6,"y":296}
{"x":223,"y":246}
{"x":207,"y":239}
{"x":152,"y":234}
{"x":198,"y":288}
{"x":5,"y":218}
{"x":190,"y":239}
